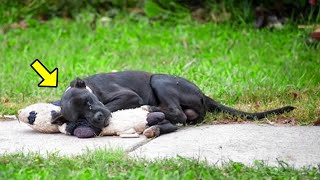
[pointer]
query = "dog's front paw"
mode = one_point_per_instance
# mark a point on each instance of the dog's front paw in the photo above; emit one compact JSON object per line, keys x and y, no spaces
{"x":84,"y":132}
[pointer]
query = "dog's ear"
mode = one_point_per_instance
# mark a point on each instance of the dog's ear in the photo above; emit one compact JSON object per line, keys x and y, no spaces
{"x":57,"y":118}
{"x":78,"y":83}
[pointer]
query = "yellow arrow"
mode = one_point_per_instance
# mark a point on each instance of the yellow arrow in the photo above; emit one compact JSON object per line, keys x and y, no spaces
{"x":49,"y":79}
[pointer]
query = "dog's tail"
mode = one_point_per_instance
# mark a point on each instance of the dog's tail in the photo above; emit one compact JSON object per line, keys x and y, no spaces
{"x":213,"y":106}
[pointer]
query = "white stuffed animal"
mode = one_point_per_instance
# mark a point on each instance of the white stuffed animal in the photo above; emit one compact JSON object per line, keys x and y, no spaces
{"x":124,"y":123}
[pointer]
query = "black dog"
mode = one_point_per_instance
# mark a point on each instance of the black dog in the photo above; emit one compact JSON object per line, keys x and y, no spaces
{"x":95,"y":97}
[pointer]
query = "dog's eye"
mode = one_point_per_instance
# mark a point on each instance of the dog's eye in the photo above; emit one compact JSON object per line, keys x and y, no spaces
{"x":89,"y":105}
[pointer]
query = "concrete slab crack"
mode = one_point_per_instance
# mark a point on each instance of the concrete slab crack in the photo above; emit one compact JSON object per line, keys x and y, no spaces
{"x":137,"y":145}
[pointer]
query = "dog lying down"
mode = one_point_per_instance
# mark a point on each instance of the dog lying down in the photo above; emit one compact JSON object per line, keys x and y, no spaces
{"x":123,"y":123}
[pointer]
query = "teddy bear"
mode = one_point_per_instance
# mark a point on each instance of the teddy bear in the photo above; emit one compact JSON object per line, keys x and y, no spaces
{"x":123,"y":123}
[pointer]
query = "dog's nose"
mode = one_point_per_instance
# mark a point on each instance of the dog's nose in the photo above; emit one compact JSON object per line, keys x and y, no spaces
{"x":101,"y":119}
{"x":98,"y":116}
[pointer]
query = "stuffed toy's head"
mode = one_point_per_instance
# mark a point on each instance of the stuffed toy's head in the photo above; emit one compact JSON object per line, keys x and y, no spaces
{"x":39,"y":116}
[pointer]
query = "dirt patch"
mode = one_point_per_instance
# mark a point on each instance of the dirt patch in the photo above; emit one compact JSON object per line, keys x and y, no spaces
{"x":317,"y":122}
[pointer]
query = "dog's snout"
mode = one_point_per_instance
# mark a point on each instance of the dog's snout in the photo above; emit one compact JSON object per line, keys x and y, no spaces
{"x":106,"y":123}
{"x":101,"y":118}
{"x":98,"y":116}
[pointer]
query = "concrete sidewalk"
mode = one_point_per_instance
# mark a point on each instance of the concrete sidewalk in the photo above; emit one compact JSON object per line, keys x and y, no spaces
{"x":298,"y":146}
{"x":15,"y":137}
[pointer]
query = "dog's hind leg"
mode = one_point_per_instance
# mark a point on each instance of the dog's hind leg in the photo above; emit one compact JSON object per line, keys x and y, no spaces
{"x":163,"y":127}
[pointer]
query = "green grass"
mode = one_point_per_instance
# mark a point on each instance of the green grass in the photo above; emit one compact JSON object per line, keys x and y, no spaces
{"x":103,"y":164}
{"x":239,"y":66}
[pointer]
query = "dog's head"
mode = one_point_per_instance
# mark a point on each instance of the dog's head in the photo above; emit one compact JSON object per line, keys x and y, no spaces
{"x":78,"y":103}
